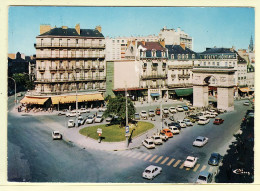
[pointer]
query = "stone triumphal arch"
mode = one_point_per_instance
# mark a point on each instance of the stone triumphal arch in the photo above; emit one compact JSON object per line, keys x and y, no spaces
{"x":224,"y":78}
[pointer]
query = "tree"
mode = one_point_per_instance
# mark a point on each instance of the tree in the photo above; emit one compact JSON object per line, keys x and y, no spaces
{"x":117,"y":106}
{"x":23,"y":82}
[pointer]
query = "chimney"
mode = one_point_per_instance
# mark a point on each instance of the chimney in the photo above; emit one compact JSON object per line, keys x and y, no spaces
{"x":183,"y":46}
{"x":64,"y":27}
{"x":44,"y":28}
{"x":77,"y":27}
{"x":98,"y":28}
{"x":162,"y":42}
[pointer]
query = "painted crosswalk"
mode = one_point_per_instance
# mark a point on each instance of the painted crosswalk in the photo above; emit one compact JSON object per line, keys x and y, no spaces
{"x":159,"y":159}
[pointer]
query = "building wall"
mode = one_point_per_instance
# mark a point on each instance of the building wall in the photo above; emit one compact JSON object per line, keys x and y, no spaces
{"x":126,"y":73}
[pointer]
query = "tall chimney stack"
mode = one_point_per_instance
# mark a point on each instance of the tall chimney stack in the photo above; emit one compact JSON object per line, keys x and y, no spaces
{"x":77,"y":27}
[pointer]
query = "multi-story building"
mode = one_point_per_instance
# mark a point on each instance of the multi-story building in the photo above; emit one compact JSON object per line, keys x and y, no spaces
{"x":116,"y":47}
{"x":69,"y":56}
{"x":180,"y":64}
{"x":175,"y":37}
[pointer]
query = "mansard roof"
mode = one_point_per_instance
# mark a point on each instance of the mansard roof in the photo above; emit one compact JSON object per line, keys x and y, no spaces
{"x":151,"y":45}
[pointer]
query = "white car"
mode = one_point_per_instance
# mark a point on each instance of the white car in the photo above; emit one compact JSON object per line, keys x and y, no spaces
{"x":151,"y":113}
{"x":109,"y":118}
{"x":180,"y":108}
{"x":206,"y":114}
{"x":204,"y":177}
{"x":200,"y":141}
{"x":102,"y":109}
{"x":143,"y":115}
{"x":83,"y":110}
{"x":190,"y":162}
{"x":163,"y":136}
{"x":203,"y":121}
{"x":148,"y":143}
{"x":151,"y":171}
{"x":56,"y":135}
{"x":90,"y":119}
{"x":157,"y":140}
{"x":71,"y":123}
{"x":72,"y":114}
{"x":165,"y":110}
{"x":81,"y":120}
{"x":182,"y":123}
{"x":99,"y":118}
{"x":212,"y":115}
{"x":172,"y":110}
{"x":174,"y":130}
{"x":187,"y":122}
{"x":214,"y":112}
{"x":247,"y":103}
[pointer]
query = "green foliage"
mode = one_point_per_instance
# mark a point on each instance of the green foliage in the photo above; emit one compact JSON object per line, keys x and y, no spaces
{"x":23,"y":81}
{"x":117,"y":106}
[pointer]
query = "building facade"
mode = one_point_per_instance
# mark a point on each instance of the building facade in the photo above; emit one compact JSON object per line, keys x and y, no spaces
{"x":69,"y":56}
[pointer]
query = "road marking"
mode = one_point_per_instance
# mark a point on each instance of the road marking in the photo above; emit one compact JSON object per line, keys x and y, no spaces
{"x":164,"y":160}
{"x":147,"y":157}
{"x":142,"y":155}
{"x":153,"y":158}
{"x":132,"y":153}
{"x":210,"y":169}
{"x":181,"y":167}
{"x":176,"y":164}
{"x":158,"y":159}
{"x":203,"y":168}
{"x":171,"y":161}
{"x":187,"y":168}
{"x":128,"y":153}
{"x":196,"y":167}
{"x":137,"y":155}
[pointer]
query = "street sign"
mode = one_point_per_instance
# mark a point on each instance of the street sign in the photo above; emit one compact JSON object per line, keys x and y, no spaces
{"x":99,"y":131}
{"x":126,"y":129}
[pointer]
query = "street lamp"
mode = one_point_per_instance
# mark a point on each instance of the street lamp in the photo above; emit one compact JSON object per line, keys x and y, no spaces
{"x":126,"y":118}
{"x":77,"y":125}
{"x":14,"y":90}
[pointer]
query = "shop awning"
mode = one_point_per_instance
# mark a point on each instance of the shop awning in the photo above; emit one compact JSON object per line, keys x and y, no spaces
{"x":155,"y":94}
{"x":245,"y":89}
{"x":34,"y":100}
{"x":80,"y":98}
{"x":184,"y":92}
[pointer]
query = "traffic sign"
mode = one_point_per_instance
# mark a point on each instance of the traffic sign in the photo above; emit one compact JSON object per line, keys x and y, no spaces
{"x":99,"y":131}
{"x":126,"y":129}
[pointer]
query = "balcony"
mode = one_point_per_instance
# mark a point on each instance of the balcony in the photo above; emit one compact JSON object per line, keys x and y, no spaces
{"x":73,"y":79}
{"x":183,"y":76}
{"x":41,"y":69}
{"x":150,"y":77}
{"x":68,"y":45}
{"x":68,"y":56}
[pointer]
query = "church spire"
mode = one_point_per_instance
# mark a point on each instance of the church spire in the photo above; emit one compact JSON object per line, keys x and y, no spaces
{"x":251,"y":45}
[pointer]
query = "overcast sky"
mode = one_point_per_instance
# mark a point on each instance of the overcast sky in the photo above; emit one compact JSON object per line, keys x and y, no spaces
{"x":210,"y":26}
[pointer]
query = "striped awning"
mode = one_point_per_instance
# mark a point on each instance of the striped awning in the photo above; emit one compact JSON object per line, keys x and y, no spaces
{"x":34,"y":100}
{"x":80,"y":98}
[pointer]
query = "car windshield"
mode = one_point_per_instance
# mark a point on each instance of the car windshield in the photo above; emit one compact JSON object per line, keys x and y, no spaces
{"x":168,"y":131}
{"x":147,"y":171}
{"x":90,"y":117}
{"x":189,"y":160}
{"x":150,"y":143}
{"x":56,"y":134}
{"x":200,"y":140}
{"x":143,"y":112}
{"x":156,"y":137}
{"x":202,"y":178}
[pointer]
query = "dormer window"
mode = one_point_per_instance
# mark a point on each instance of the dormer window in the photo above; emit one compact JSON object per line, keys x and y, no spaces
{"x":193,"y":56}
{"x":179,"y":56}
{"x":153,"y":53}
{"x":187,"y":56}
{"x":182,"y":56}
{"x":163,"y":54}
{"x":172,"y":56}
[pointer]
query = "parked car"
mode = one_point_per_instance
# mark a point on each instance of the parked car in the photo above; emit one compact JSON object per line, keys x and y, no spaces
{"x":80,"y":120}
{"x":182,"y":123}
{"x":151,"y":171}
{"x":218,"y":121}
{"x":214,"y":159}
{"x":109,"y":118}
{"x":143,"y":114}
{"x":174,"y":130}
{"x":174,"y":124}
{"x":247,"y":103}
{"x":203,"y":121}
{"x":71,"y":123}
{"x":214,"y":112}
{"x":165,"y":110}
{"x":205,"y":114}
{"x":115,"y":121}
{"x":179,"y":108}
{"x":187,"y":122}
{"x":157,"y":140}
{"x":222,"y":110}
{"x":83,"y":110}
{"x":102,"y":109}
{"x":167,"y":132}
{"x":191,"y":107}
{"x":157,"y":111}
{"x":99,"y":118}
{"x":90,"y":119}
{"x":137,"y":116}
{"x":148,"y":143}
{"x":72,"y":114}
{"x":190,"y":162}
{"x":185,"y":108}
{"x":172,"y":110}
{"x":211,"y":115}
{"x":163,"y":136}
{"x":151,"y":113}
{"x":56,"y":135}
{"x":200,"y":141}
{"x":204,"y":177}
{"x":193,"y":118}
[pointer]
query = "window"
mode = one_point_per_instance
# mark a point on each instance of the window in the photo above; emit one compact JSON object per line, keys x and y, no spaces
{"x":77,"y":41}
{"x":225,"y":63}
{"x":172,"y":56}
{"x":217,"y":63}
{"x":213,"y":63}
{"x":113,"y":41}
{"x":117,"y":41}
{"x":187,"y":56}
{"x":123,"y":41}
{"x":204,"y":63}
{"x":182,"y":56}
{"x":193,"y":56}
{"x":179,"y":56}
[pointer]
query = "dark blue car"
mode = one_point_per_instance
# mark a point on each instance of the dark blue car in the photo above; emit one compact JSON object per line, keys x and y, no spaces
{"x":185,"y":108}
{"x":214,"y":159}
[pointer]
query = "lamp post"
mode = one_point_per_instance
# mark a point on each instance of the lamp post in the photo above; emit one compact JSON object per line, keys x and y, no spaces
{"x":14,"y":90}
{"x":126,"y":117}
{"x":161,"y":115}
{"x":77,"y":125}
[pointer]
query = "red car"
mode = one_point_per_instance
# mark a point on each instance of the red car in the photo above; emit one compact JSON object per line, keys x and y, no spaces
{"x":218,"y":121}
{"x":157,"y":111}
{"x":167,"y":132}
